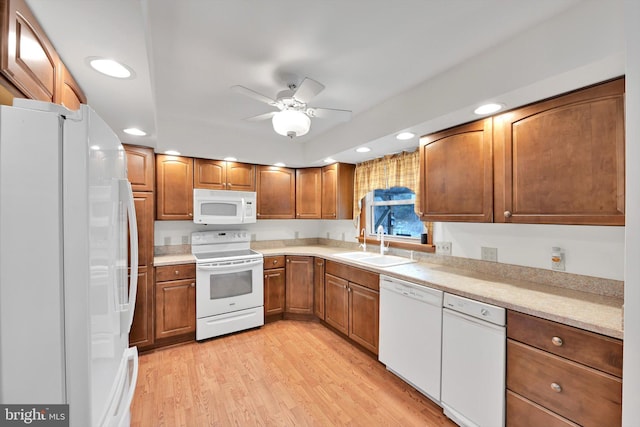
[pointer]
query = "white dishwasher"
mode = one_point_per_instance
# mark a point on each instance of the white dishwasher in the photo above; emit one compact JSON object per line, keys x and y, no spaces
{"x":473,"y":362}
{"x":411,"y":333}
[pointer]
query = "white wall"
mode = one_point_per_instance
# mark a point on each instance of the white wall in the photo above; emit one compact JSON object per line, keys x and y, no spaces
{"x":631,"y":368}
{"x":179,"y":232}
{"x":589,"y":250}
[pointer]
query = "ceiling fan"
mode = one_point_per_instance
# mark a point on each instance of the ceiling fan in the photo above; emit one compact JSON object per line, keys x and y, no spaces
{"x":294,"y":115}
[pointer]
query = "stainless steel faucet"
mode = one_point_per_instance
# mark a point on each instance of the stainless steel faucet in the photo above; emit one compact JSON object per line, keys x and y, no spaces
{"x":364,"y":234}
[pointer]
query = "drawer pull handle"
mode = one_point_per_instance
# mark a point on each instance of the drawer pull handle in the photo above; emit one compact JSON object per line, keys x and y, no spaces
{"x":556,"y":387}
{"x":557,"y":341}
{"x":275,"y":261}
{"x":177,"y":272}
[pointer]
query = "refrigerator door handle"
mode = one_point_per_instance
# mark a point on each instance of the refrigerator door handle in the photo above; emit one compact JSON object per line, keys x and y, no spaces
{"x":130,"y":307}
{"x":121,"y":395}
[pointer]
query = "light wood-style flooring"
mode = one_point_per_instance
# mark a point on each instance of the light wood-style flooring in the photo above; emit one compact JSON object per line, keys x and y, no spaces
{"x":287,"y":373}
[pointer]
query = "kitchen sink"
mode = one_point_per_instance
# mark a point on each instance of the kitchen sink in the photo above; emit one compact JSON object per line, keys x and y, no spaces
{"x":373,"y":259}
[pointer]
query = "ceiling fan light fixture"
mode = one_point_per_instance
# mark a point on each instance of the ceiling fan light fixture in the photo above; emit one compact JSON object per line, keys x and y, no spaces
{"x":291,"y":123}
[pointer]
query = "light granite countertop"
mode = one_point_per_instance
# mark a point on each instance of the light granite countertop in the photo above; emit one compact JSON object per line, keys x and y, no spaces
{"x":596,"y":313}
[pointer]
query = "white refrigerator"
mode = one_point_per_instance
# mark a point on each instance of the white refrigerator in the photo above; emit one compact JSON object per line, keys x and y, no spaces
{"x":66,"y":223}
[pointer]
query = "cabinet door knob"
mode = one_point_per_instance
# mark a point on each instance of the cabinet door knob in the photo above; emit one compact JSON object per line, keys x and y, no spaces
{"x":177,"y":272}
{"x":190,"y":214}
{"x":275,"y":261}
{"x":556,"y":387}
{"x":507,"y":214}
{"x":288,"y":260}
{"x":557,"y":341}
{"x":193,"y":285}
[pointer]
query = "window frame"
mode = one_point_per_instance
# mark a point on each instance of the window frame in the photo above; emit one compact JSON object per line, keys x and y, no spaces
{"x":402,"y":242}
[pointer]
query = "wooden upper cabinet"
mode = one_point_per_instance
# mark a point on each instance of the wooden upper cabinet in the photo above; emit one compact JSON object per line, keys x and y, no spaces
{"x":276,"y":188}
{"x":140,"y":167}
{"x":561,"y":161}
{"x":29,"y":63}
{"x":68,"y":93}
{"x":223,"y":175}
{"x":308,"y":193}
{"x":456,"y":174}
{"x":337,"y":191}
{"x":28,"y":58}
{"x":174,"y":195}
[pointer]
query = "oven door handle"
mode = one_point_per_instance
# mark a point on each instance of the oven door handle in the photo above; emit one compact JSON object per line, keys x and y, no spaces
{"x":243,"y":266}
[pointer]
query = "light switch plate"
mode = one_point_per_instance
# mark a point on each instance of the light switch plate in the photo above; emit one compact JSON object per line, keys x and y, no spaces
{"x":443,"y":248}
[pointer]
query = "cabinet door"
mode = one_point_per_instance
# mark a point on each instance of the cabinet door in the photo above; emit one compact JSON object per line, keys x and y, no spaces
{"x":364,"y":316}
{"x":308,"y":193}
{"x":175,"y":308}
{"x":318,"y":288}
{"x":274,"y":285}
{"x":241,"y":176}
{"x":144,"y":205}
{"x":28,"y":60}
{"x":210,"y":174}
{"x":174,"y":176}
{"x":299,"y":285}
{"x":561,"y":161}
{"x":141,"y":333}
{"x":68,"y":93}
{"x":337,"y":191}
{"x":140,"y":167}
{"x":336,"y":302}
{"x":456,"y":174}
{"x":276,"y":193}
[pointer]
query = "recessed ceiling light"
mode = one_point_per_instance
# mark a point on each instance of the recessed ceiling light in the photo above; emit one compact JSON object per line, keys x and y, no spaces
{"x":488,"y":108}
{"x":134,"y":131}
{"x":172,"y":152}
{"x":403,"y":136}
{"x":279,"y":164}
{"x":110,"y":67}
{"x":363,"y":149}
{"x":230,"y":159}
{"x":329,"y":160}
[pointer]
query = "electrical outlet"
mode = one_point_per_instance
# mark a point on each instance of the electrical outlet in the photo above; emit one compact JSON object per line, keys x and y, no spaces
{"x":443,"y":248}
{"x":557,"y":259}
{"x":489,"y":254}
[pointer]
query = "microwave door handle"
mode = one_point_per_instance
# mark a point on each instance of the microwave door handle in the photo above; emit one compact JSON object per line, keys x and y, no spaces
{"x":244,"y":208}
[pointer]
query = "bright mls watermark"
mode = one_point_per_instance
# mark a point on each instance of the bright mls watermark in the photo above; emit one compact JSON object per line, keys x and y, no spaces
{"x":34,"y":415}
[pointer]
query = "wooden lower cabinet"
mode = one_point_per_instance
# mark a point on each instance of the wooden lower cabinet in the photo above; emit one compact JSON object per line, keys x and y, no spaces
{"x":364,"y":306}
{"x":318,"y":288}
{"x":337,"y":302}
{"x":299,"y":285}
{"x":141,"y":334}
{"x":352,"y":302}
{"x":175,"y":301}
{"x":560,"y":375}
{"x":274,"y":285}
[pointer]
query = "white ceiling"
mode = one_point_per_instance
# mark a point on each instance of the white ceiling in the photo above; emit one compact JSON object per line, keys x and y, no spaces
{"x":188,"y":53}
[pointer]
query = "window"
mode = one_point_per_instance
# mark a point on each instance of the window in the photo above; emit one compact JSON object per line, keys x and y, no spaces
{"x":393,"y":209}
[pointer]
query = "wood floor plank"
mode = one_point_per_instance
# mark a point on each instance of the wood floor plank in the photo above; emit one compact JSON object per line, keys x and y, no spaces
{"x":287,"y":373}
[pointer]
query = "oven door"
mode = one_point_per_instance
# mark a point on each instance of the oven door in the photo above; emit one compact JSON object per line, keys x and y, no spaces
{"x":224,"y":287}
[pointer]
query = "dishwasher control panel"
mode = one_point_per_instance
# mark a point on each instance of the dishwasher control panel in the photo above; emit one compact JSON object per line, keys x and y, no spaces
{"x":477,"y":309}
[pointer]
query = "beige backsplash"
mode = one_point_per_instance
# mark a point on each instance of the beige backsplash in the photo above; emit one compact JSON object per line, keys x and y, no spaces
{"x":594,"y":285}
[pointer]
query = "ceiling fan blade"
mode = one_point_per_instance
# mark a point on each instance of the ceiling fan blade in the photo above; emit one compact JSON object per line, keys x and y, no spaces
{"x":330,"y":113}
{"x":307,"y":90}
{"x":253,"y":94}
{"x":259,"y":117}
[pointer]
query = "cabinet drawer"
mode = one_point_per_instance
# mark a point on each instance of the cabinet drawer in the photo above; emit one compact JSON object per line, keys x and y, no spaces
{"x":594,"y":350}
{"x":365,"y":278}
{"x":522,"y":412}
{"x":276,"y":261}
{"x":581,"y":394}
{"x":175,"y":272}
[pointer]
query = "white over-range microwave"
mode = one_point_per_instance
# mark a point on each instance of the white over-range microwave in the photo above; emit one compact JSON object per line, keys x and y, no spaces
{"x":223,"y":206}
